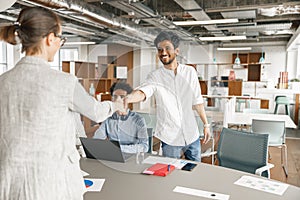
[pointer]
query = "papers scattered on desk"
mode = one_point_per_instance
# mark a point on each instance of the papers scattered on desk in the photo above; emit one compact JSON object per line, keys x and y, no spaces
{"x":93,"y":185}
{"x":178,"y":163}
{"x":262,"y":184}
{"x":201,"y":193}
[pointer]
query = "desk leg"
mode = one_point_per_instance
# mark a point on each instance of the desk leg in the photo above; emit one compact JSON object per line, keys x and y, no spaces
{"x":296,"y":118}
{"x":264,"y":104}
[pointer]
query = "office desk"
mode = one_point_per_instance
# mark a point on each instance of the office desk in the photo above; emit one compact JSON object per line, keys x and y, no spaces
{"x":122,"y":185}
{"x":246,"y":119}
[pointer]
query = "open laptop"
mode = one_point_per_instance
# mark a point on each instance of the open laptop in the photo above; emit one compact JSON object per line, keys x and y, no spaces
{"x":103,"y":150}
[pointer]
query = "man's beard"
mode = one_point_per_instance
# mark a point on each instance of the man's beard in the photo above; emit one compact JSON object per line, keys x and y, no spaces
{"x":167,"y":63}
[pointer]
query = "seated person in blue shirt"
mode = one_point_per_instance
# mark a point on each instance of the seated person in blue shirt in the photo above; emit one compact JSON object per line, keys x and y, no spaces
{"x":128,"y":127}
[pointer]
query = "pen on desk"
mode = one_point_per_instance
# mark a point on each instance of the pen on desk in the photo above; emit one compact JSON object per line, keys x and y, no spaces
{"x":169,"y":167}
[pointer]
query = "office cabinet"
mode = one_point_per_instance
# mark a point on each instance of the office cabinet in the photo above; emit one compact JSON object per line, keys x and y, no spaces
{"x":254,"y":72}
{"x":250,"y":61}
{"x":79,"y":69}
{"x":235,"y":88}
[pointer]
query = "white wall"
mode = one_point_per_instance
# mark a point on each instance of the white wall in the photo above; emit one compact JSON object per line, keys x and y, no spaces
{"x":95,"y":51}
{"x":277,"y":57}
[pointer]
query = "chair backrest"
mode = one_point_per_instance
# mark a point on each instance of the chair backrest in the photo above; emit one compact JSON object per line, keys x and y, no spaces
{"x":282,"y":100}
{"x":242,"y":150}
{"x":150,"y":139}
{"x":150,"y":119}
{"x":276,"y":130}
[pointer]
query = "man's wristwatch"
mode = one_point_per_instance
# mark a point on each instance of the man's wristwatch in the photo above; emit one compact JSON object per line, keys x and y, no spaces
{"x":206,"y":125}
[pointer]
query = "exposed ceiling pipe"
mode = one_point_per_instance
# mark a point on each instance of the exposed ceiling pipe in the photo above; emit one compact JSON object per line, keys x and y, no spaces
{"x":91,"y":14}
{"x":198,"y":14}
{"x":148,"y":15}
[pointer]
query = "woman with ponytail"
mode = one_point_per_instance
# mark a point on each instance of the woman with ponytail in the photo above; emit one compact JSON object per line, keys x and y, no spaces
{"x":38,"y":157}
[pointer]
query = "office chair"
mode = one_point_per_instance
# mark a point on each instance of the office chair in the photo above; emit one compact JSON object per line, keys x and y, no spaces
{"x":252,"y":111}
{"x":283,"y":100}
{"x":150,"y":120}
{"x":150,"y":139}
{"x":276,"y":131}
{"x":244,"y":151}
{"x":243,"y":101}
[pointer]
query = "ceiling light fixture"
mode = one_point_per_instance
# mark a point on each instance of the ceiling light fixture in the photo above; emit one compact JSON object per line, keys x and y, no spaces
{"x":206,"y":22}
{"x":234,"y":49}
{"x":262,"y":59}
{"x":237,"y":60}
{"x":8,"y":18}
{"x":239,"y":37}
{"x":70,"y":29}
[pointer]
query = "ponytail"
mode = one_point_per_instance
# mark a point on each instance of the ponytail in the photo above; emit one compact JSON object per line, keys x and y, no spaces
{"x":33,"y":24}
{"x":9,"y":34}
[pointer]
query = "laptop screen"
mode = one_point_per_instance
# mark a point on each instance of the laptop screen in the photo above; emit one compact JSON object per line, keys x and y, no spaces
{"x":103,"y":149}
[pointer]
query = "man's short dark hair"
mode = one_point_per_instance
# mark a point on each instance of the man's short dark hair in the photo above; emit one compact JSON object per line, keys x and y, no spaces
{"x":167,"y":35}
{"x":121,"y":86}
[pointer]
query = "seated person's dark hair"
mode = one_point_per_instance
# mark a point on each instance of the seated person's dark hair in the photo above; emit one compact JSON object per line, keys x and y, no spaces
{"x":122,"y":86}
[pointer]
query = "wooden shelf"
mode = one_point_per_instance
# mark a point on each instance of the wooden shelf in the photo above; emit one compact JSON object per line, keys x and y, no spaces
{"x":81,"y":69}
{"x":253,"y":66}
{"x":101,"y":85}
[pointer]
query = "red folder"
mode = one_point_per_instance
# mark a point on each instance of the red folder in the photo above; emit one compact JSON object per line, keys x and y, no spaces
{"x":159,"y":169}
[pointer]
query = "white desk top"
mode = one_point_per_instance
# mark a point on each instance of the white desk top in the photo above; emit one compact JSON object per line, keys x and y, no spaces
{"x":246,"y":118}
{"x":128,"y":185}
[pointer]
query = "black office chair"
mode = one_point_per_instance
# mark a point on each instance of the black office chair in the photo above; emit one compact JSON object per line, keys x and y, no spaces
{"x":244,"y":151}
{"x":150,"y":139}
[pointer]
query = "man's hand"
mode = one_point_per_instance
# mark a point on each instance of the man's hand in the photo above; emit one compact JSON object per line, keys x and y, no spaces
{"x":119,"y":105}
{"x":206,"y":132}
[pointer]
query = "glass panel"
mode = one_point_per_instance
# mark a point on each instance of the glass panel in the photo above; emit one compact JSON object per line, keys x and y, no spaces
{"x":3,"y":57}
{"x":3,"y":68}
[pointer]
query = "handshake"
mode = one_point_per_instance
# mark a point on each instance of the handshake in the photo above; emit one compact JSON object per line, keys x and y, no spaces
{"x":120,"y":104}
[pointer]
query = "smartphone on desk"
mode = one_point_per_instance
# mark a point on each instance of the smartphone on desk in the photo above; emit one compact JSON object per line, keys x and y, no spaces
{"x":189,"y":166}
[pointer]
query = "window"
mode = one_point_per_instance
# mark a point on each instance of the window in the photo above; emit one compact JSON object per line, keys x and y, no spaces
{"x":3,"y":57}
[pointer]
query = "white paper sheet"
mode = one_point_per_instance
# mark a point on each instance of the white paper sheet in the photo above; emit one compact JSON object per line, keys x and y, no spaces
{"x":262,"y":184}
{"x":94,"y":185}
{"x":201,"y":193}
{"x":178,"y":163}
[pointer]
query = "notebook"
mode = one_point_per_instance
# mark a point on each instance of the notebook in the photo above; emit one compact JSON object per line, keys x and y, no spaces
{"x":159,"y":169}
{"x":103,"y":150}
